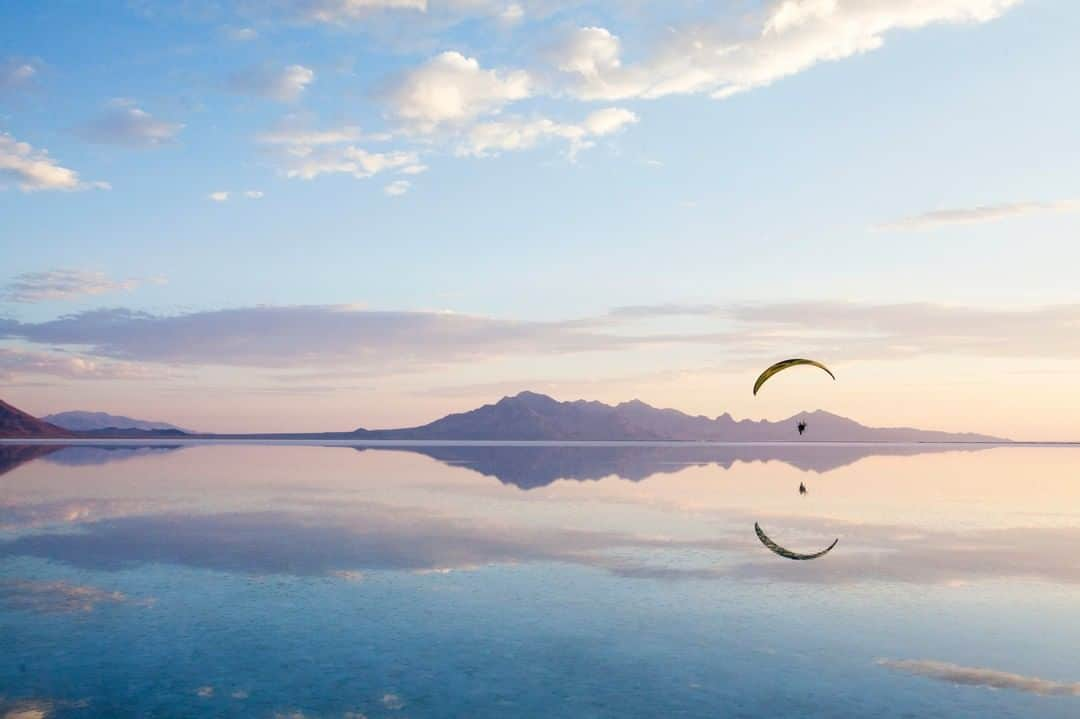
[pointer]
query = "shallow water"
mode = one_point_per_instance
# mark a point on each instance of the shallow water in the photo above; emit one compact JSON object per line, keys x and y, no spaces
{"x":538,"y":581}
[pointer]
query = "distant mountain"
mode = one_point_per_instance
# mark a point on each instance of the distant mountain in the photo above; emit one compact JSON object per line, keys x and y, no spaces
{"x":16,"y":423}
{"x":529,"y":416}
{"x":80,"y":421}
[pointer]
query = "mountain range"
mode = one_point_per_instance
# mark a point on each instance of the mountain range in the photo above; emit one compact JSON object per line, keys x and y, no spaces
{"x":81,"y":421}
{"x":529,"y":416}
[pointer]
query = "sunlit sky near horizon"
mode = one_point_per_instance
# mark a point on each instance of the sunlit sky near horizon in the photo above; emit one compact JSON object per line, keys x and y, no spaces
{"x":323,"y":214}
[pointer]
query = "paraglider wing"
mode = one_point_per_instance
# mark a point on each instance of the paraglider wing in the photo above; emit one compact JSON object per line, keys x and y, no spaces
{"x":781,"y":366}
{"x":787,"y":553}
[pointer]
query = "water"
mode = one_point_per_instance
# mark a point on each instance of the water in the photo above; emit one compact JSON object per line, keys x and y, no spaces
{"x":538,"y":581}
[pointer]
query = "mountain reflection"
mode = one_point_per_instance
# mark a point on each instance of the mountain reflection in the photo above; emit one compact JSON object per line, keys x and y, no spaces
{"x":534,"y":466}
{"x":13,"y":456}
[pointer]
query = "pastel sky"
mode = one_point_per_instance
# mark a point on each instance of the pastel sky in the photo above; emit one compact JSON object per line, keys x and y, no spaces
{"x":325,"y":214}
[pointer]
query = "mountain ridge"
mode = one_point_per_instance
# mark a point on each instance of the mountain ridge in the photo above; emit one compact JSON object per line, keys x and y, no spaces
{"x":530,"y":416}
{"x":18,"y":424}
{"x":83,"y":421}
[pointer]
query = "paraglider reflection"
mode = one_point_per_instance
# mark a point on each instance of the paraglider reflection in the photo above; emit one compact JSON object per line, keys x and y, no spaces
{"x":787,"y":553}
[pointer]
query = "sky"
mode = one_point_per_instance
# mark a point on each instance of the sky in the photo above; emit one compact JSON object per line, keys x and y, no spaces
{"x":328,"y":214}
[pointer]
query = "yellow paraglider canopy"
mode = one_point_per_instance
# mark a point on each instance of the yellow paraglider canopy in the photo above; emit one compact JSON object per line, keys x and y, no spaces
{"x":781,"y":366}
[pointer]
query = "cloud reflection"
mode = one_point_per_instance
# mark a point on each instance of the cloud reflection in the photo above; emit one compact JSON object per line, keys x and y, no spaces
{"x":981,"y":677}
{"x":367,"y":537}
{"x":59,"y":597}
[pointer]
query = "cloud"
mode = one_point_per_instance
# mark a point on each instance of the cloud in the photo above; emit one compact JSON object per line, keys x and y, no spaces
{"x":397,"y":188}
{"x":864,"y":330}
{"x":378,"y":342}
{"x":451,"y":90}
{"x":123,"y":123}
{"x":974,"y":215}
{"x":65,"y":285}
{"x":349,"y":160}
{"x":19,"y":363}
{"x":308,"y":138}
{"x":224,"y":195}
{"x":16,"y":74}
{"x":490,"y":138}
{"x":789,"y":37}
{"x":344,"y":11}
{"x":306,"y":336}
{"x":981,"y":677}
{"x":241,"y":34}
{"x":284,"y":85}
{"x":33,"y":170}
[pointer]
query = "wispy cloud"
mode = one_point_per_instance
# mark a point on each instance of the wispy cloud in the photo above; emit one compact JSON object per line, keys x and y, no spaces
{"x":975,"y":215}
{"x":16,"y":364}
{"x":122,"y":122}
{"x":66,"y":284}
{"x":339,"y":12}
{"x":284,"y":84}
{"x":397,"y":188}
{"x":981,"y":677}
{"x":34,"y":170}
{"x":491,"y":138}
{"x":16,"y":73}
{"x":224,"y":195}
{"x":383,"y":341}
{"x":306,"y":137}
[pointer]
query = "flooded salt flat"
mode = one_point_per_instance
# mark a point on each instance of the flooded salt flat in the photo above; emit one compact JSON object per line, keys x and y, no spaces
{"x":469,"y":580}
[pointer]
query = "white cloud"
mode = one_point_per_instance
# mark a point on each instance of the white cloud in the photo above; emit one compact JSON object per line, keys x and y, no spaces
{"x":123,"y":123}
{"x":790,"y":37}
{"x":16,"y":74}
{"x":286,"y":84}
{"x":306,"y":153}
{"x":973,"y":215}
{"x":981,"y":677}
{"x":608,"y":120}
{"x":253,"y":194}
{"x":512,"y":14}
{"x":65,"y":285}
{"x":344,"y":11}
{"x":242,"y":34}
{"x":33,"y":170}
{"x":305,"y":137}
{"x":451,"y":89}
{"x":219,"y":196}
{"x":397,"y":188}
{"x":489,"y":138}
{"x":349,"y":160}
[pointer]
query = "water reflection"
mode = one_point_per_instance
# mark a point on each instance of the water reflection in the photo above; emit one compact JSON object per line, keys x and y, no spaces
{"x":533,"y":466}
{"x":239,"y":580}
